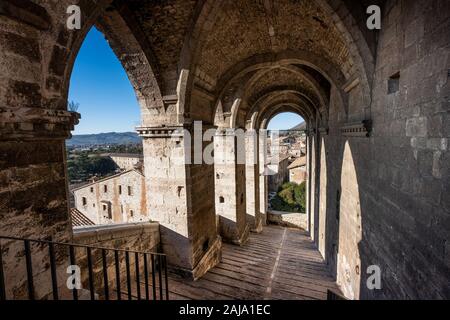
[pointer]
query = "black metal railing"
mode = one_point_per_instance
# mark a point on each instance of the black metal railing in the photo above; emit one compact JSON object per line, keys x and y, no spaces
{"x":97,"y":260}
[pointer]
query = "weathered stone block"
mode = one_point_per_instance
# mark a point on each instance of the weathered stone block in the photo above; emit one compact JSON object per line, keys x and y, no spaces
{"x":416,"y":127}
{"x":26,"y":47}
{"x":23,"y":94}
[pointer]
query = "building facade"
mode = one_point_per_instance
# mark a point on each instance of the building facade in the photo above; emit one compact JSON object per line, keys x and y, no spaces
{"x":117,"y":199}
{"x":280,"y":174}
{"x":297,"y":171}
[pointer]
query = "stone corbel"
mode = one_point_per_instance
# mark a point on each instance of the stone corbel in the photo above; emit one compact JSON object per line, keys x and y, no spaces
{"x":170,"y":100}
{"x":36,"y":123}
{"x":311,"y":132}
{"x":227,"y":131}
{"x":350,"y":85}
{"x":357,"y":129}
{"x":323,"y":131}
{"x":161,"y":132}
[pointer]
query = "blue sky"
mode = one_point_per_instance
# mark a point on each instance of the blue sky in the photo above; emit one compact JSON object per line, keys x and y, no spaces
{"x":101,"y":87}
{"x":107,"y":100}
{"x":284,"y":121}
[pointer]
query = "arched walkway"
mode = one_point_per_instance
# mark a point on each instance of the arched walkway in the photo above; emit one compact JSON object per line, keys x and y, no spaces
{"x":375,"y":106}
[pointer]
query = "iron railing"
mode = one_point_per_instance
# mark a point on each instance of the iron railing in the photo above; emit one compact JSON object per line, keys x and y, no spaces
{"x":149,"y":277}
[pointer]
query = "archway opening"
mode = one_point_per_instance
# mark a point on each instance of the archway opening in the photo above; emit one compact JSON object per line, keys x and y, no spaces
{"x":104,"y":155}
{"x":287,"y":175}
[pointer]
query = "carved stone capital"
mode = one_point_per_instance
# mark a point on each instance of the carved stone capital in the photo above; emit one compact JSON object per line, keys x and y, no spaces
{"x":323,"y":131}
{"x":36,"y":123}
{"x":357,"y":129}
{"x":161,"y":132}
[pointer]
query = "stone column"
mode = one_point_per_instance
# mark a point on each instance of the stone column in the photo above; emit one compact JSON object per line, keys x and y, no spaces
{"x":312,"y":195}
{"x":180,"y":196}
{"x":254,"y":218}
{"x":229,"y":166}
{"x":263,"y":188}
{"x":308,"y":182}
{"x":33,"y":191}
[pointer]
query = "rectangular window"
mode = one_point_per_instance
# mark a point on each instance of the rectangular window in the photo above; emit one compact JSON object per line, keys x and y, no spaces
{"x":92,"y":189}
{"x":105,"y":188}
{"x":131,"y":213}
{"x":394,"y":83}
{"x":84,"y":200}
{"x":120,"y":189}
{"x":130,"y":191}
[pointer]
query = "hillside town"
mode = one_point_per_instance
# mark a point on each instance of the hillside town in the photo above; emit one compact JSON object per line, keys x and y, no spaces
{"x":114,"y":191}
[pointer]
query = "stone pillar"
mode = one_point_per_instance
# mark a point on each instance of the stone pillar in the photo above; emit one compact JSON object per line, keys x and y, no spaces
{"x":229,"y":166}
{"x":254,"y":218}
{"x":263,"y":188}
{"x":33,"y":192}
{"x":312,"y":195}
{"x":308,"y":182}
{"x":180,"y":196}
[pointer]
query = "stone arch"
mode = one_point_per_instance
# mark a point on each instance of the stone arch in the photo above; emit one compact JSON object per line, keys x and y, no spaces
{"x":270,"y":103}
{"x":128,"y":43}
{"x":265,"y":118}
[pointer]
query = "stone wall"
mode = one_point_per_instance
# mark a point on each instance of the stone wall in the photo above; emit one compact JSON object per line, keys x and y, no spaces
{"x":405,"y":212}
{"x":287,"y":219}
{"x":120,"y":204}
{"x":126,"y":162}
{"x":384,"y":203}
{"x":141,"y":237}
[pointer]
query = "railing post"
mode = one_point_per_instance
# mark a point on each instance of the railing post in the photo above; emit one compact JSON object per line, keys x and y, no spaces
{"x":166,"y":277}
{"x":29,"y":269}
{"x":51,"y":252}
{"x":153,"y":276}
{"x":160,"y":277}
{"x":105,"y":274}
{"x":147,"y":295}
{"x":138,"y":284}
{"x":127,"y":265}
{"x":73,"y":263}
{"x":2,"y":276}
{"x":91,"y":275}
{"x":117,"y":263}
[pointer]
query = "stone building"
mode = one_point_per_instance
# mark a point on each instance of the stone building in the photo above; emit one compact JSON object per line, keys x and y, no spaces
{"x":126,"y":161}
{"x":297,"y":170}
{"x":120,"y":198}
{"x":279,"y":173}
{"x":375,"y":102}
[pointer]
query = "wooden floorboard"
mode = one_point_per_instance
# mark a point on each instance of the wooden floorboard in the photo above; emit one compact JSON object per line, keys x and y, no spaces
{"x":279,"y":263}
{"x":254,"y":272}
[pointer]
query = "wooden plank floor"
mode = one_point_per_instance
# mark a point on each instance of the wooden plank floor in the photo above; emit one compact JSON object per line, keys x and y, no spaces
{"x":279,"y":263}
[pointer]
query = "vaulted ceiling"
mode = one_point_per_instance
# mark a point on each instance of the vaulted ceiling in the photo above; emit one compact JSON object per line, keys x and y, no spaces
{"x":248,"y":49}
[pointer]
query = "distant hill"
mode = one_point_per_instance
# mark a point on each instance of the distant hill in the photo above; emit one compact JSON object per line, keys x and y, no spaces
{"x":301,"y":126}
{"x":109,"y":138}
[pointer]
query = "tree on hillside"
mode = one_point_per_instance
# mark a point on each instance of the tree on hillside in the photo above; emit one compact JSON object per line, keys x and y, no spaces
{"x":291,"y":197}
